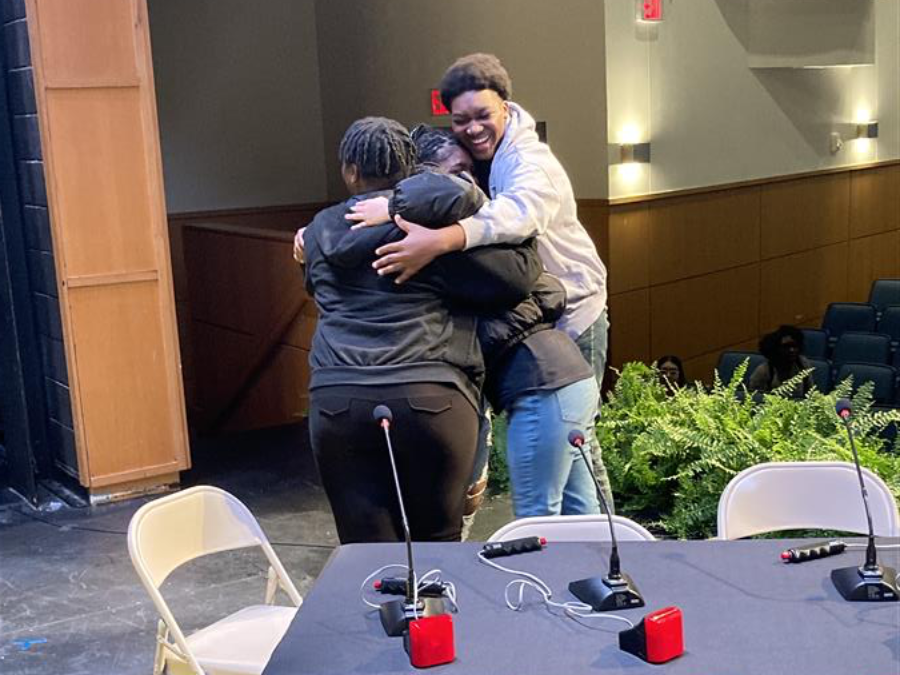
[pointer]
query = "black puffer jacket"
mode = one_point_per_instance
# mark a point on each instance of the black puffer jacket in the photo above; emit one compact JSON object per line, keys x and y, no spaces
{"x":539,"y":311}
{"x":373,"y":331}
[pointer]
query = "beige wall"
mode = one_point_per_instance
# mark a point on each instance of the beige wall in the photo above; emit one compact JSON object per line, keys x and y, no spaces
{"x":381,"y":57}
{"x":237,"y":86}
{"x":687,"y":86}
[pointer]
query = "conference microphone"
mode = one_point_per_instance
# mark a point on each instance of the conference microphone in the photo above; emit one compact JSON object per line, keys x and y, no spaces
{"x":398,"y":586}
{"x":814,"y":552}
{"x":424,"y":623}
{"x":616,"y":590}
{"x":871,"y":582}
{"x":499,"y":549}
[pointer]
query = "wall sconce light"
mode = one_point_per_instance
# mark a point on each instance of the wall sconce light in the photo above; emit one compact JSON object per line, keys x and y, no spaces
{"x":867,"y":129}
{"x":631,"y":153}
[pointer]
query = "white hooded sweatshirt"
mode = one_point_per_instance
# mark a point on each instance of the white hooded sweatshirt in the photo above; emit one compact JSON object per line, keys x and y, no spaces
{"x":531,"y":196}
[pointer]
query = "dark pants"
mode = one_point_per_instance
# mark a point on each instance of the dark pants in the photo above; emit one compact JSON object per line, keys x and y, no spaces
{"x":434,"y":434}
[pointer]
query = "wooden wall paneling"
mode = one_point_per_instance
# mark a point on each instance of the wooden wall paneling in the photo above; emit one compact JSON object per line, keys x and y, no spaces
{"x":805,"y":214}
{"x":282,"y":217}
{"x":798,"y":287}
{"x":232,"y":275}
{"x":97,"y":112}
{"x":90,"y":43}
{"x":248,"y":306}
{"x":691,"y":236}
{"x":594,"y":215}
{"x":103,"y":189}
{"x":871,"y":258}
{"x":700,"y":315}
{"x":629,"y":250}
{"x":218,"y":354}
{"x":874,"y":201}
{"x":122,"y":386}
{"x":280,"y":395}
{"x":629,"y":317}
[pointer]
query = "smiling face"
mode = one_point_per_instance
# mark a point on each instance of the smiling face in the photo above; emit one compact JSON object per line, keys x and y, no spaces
{"x":479,"y":121}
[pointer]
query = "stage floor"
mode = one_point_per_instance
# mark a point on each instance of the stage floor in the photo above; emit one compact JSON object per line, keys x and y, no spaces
{"x":71,"y":603}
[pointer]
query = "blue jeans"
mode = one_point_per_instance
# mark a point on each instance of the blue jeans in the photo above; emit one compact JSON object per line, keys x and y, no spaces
{"x":548,"y":476}
{"x":594,"y":343}
{"x":483,"y":451}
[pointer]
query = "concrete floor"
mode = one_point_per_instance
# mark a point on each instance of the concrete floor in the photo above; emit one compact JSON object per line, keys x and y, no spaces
{"x":71,"y":604}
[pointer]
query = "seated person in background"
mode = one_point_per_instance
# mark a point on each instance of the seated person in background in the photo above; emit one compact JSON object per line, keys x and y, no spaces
{"x":783,"y":361}
{"x":671,"y":373}
{"x":412,"y":347}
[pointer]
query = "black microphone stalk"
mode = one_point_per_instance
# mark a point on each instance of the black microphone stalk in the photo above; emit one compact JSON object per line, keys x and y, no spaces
{"x":396,"y":614}
{"x":616,"y":590}
{"x":871,"y":582}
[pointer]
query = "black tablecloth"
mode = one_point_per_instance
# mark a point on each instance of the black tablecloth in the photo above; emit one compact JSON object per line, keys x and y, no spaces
{"x":745,"y":613}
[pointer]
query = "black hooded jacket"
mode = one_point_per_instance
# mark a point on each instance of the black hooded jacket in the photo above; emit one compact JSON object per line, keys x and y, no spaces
{"x":522,"y":350}
{"x":372,"y":331}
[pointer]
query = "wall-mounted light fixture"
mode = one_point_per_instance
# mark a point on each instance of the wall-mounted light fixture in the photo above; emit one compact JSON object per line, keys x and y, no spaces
{"x":867,"y":129}
{"x":631,"y":153}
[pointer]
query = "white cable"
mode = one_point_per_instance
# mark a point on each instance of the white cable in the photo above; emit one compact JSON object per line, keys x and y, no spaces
{"x":572,"y":609}
{"x":433,"y":575}
{"x":365,"y":584}
{"x":878,"y":546}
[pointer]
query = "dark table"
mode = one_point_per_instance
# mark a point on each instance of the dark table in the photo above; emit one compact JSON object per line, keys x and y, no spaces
{"x":745,"y":613}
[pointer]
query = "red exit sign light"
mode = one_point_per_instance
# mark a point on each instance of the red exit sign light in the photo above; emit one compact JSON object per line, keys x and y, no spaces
{"x":651,"y":10}
{"x":438,"y":109}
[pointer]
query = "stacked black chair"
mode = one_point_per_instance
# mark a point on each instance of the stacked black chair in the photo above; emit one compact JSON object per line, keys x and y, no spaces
{"x":889,"y":324}
{"x":859,"y":347}
{"x":822,"y":375}
{"x":883,"y":377}
{"x":884,"y":292}
{"x":841,"y":317}
{"x":815,"y":343}
{"x":729,"y":361}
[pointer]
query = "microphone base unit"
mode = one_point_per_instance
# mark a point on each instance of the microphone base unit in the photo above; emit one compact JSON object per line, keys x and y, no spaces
{"x":858,"y":584}
{"x":604,"y":594}
{"x":396,"y":614}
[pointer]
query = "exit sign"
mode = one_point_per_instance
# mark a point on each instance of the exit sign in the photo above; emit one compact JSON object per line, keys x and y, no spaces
{"x":651,"y":10}
{"x":438,"y":109}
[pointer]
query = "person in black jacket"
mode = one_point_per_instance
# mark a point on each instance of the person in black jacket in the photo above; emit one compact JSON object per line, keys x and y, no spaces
{"x":411,"y":347}
{"x":534,"y":372}
{"x":538,"y":376}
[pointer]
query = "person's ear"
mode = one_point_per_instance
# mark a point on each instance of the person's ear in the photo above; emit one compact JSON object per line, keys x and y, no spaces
{"x":505,"y":111}
{"x":350,"y":174}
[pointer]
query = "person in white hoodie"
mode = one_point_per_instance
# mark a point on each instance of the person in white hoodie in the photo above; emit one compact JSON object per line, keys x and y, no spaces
{"x":530,"y":195}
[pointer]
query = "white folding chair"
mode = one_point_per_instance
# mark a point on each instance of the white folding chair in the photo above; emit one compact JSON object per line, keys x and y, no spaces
{"x":804,"y":495}
{"x":173,"y":530}
{"x":572,"y":528}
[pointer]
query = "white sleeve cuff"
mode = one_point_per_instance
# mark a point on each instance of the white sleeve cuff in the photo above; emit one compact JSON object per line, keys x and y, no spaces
{"x":475,"y":232}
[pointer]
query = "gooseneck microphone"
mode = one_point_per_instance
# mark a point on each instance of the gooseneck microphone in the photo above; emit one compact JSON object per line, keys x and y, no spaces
{"x":423,"y":622}
{"x":871,"y":582}
{"x":384,"y":417}
{"x":616,"y":590}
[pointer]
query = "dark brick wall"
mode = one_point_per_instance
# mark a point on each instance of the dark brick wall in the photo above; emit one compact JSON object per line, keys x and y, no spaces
{"x":37,"y":234}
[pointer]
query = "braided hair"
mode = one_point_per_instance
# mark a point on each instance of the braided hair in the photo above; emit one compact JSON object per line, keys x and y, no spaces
{"x":432,"y":144}
{"x":380,"y":148}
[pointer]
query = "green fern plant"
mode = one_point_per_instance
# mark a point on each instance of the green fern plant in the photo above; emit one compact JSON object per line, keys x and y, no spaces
{"x":670,"y":457}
